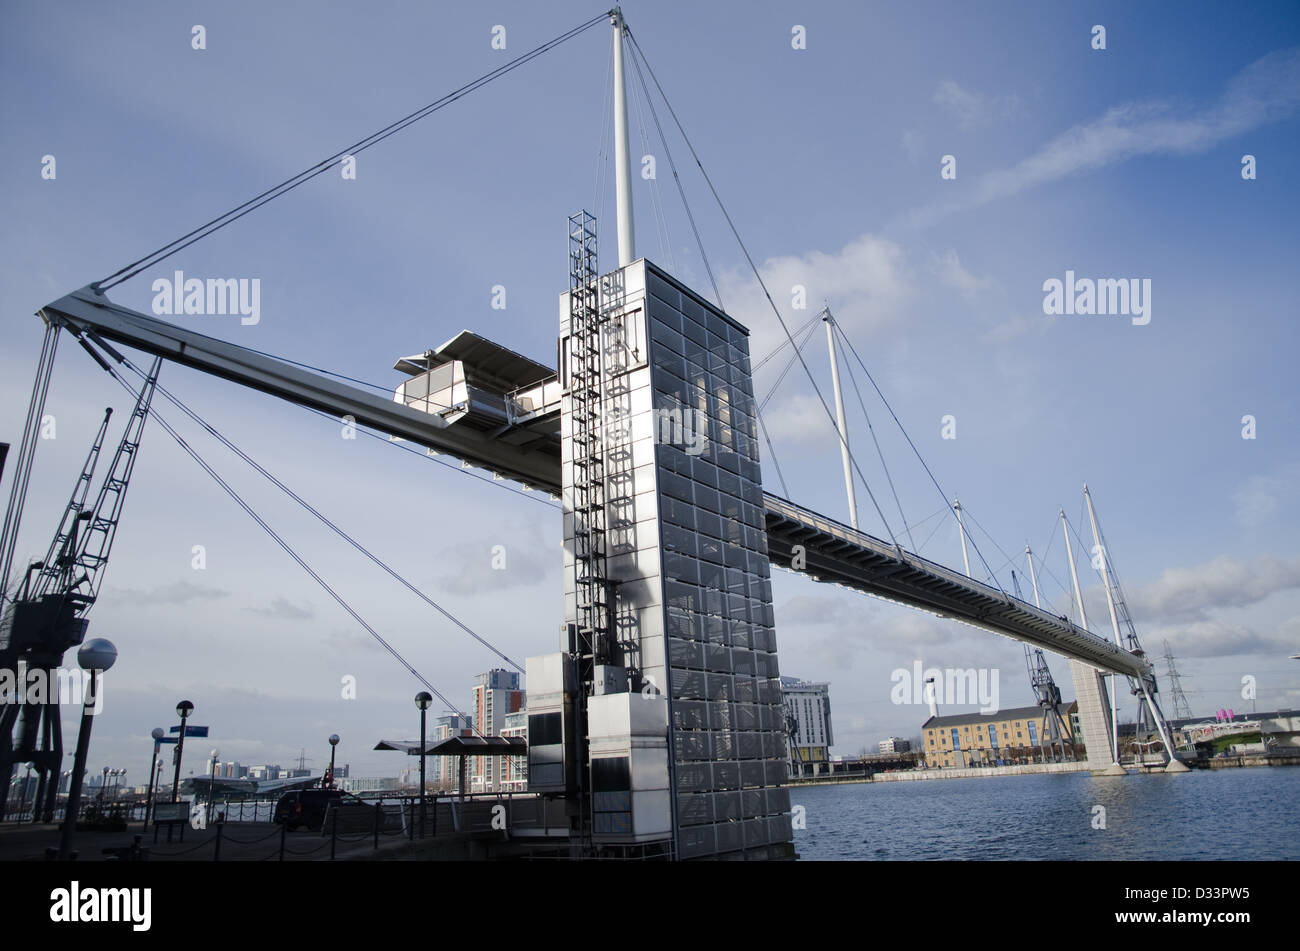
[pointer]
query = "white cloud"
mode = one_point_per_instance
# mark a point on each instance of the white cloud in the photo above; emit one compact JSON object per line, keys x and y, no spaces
{"x":1266,"y":91}
{"x":865,"y":283}
{"x":178,"y":592}
{"x":285,"y":610}
{"x":472,"y":566}
{"x":1215,"y":638}
{"x":799,"y":419}
{"x":949,"y":270}
{"x":837,"y":630}
{"x":1224,"y":582}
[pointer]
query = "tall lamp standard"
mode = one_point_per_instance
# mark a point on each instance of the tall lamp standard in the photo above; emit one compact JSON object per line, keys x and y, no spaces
{"x":183,"y":710}
{"x":334,"y":742}
{"x":212,"y":784}
{"x":159,"y":765}
{"x":96,"y":655}
{"x":422,"y":700}
{"x":157,"y":734}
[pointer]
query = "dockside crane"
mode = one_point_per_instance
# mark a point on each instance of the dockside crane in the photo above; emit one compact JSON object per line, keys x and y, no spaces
{"x":47,"y":615}
{"x":1046,"y":692}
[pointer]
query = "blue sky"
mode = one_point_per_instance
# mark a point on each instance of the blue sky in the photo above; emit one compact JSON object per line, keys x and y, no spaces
{"x":1115,"y":163}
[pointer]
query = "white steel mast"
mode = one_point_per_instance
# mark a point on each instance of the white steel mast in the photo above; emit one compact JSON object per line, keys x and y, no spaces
{"x":961,"y":527}
{"x":1107,"y":573}
{"x":1033,"y":576}
{"x":839,"y":415}
{"x":1083,"y":622}
{"x":622,"y":157}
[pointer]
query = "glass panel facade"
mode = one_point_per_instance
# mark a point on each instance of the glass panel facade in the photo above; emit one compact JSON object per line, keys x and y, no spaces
{"x":694,"y":595}
{"x":711,"y":489}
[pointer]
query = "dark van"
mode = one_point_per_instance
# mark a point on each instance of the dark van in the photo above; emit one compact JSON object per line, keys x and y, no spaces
{"x":307,"y":807}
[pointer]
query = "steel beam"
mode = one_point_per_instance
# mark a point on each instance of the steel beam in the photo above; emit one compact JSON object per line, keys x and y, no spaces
{"x":88,"y":309}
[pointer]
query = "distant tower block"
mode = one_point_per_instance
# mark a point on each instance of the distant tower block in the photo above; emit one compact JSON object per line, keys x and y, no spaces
{"x":685,"y":557}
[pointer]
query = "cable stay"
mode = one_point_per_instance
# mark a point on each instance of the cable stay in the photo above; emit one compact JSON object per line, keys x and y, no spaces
{"x":640,"y":58}
{"x":435,"y":458}
{"x":277,"y":538}
{"x":758,"y":407}
{"x":175,"y":401}
{"x":656,"y":198}
{"x":681,"y":191}
{"x":810,"y":322}
{"x":216,"y":224}
{"x":867,"y":416}
{"x":903,"y":429}
{"x":989,"y":535}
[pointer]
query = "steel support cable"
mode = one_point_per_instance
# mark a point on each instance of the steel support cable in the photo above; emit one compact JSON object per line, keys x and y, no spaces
{"x":872,"y":380}
{"x":785,"y":370}
{"x":989,"y":535}
{"x":758,"y":277}
{"x":656,"y":199}
{"x":288,"y":549}
{"x":216,"y":224}
{"x":602,"y":157}
{"x":1109,"y":563}
{"x":1089,"y":551}
{"x":782,"y":345}
{"x":758,"y":409}
{"x":1051,"y":540}
{"x":324,"y":520}
{"x":1042,"y":561}
{"x":933,"y":531}
{"x":341,"y":376}
{"x":927,"y":518}
{"x":771,"y":451}
{"x":758,"y":414}
{"x":1082,"y":546}
{"x":26,"y":454}
{"x":654,"y":114}
{"x":867,"y":416}
{"x":422,"y":454}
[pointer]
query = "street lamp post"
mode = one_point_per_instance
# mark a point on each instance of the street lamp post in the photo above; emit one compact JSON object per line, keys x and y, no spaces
{"x":334,"y":742}
{"x":159,"y":765}
{"x":212,"y":784}
{"x":422,"y":700}
{"x":96,"y":655}
{"x":183,"y":709}
{"x":157,"y":734}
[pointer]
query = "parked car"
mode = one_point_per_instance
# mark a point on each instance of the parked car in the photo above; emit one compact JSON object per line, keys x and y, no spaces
{"x":308,"y":807}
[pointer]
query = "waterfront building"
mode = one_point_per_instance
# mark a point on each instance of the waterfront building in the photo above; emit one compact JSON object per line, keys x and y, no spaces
{"x":808,"y":718}
{"x":514,"y":769}
{"x":894,"y":744}
{"x":496,"y":695}
{"x":1003,"y":738}
{"x":440,"y":771}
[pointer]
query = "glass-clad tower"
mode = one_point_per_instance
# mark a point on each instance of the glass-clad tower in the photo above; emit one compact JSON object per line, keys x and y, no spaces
{"x":685,"y":555}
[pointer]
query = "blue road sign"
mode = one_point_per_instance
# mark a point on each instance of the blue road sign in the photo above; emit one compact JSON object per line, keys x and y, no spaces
{"x":190,"y":730}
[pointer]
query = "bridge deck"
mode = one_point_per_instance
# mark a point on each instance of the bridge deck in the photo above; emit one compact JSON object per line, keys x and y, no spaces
{"x":835,"y":552}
